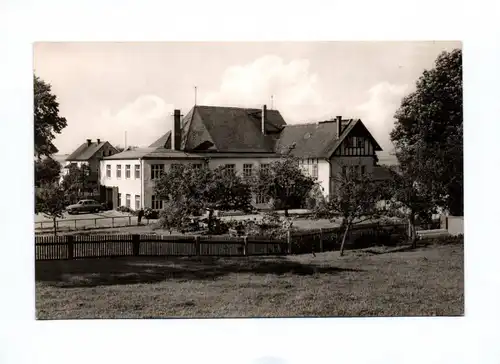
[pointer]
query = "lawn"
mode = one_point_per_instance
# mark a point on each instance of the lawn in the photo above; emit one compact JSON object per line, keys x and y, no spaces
{"x":425,"y":281}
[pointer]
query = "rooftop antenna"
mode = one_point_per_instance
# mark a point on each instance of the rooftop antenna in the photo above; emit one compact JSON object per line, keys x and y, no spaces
{"x":125,"y":140}
{"x":272,"y":102}
{"x":195,"y":94}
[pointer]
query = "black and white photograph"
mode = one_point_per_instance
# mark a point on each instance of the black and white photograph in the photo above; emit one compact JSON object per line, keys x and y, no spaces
{"x":248,"y":179}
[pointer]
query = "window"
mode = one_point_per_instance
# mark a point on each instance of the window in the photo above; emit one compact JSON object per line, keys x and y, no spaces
{"x":261,"y":198}
{"x":127,"y":200}
{"x":156,"y":204}
{"x":265,"y":167}
{"x":119,"y":199}
{"x":108,"y":171}
{"x":360,"y":142}
{"x":127,"y":171}
{"x":174,"y":165}
{"x":315,"y":171}
{"x":229,"y":168}
{"x":137,"y":202}
{"x":247,"y":170}
{"x":119,"y":171}
{"x":137,"y":171}
{"x":157,"y":170}
{"x":197,"y":165}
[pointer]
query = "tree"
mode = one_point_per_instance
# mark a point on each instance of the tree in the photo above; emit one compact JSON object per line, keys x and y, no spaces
{"x":47,"y":121}
{"x":76,"y":181}
{"x":51,"y":201}
{"x":47,"y":170}
{"x":284,"y":182}
{"x":354,"y":199}
{"x":204,"y":189}
{"x":429,"y":130}
{"x":408,"y":198}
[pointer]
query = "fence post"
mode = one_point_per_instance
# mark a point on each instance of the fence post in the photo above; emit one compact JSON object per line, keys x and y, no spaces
{"x":289,"y":241}
{"x":129,"y":221}
{"x":197,"y":245}
{"x":136,"y":242}
{"x":320,"y":240}
{"x":112,"y":222}
{"x":75,"y":224}
{"x":245,"y":246}
{"x":95,"y":222}
{"x":69,"y":242}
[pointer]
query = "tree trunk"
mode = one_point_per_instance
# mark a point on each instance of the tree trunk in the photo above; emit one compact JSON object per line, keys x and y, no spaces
{"x":55,"y":225}
{"x":210,"y":220}
{"x":347,"y":226}
{"x":412,"y":231}
{"x":286,"y":212}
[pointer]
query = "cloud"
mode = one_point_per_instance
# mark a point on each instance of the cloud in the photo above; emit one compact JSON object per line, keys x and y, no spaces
{"x":296,"y":90}
{"x":378,"y":111}
{"x":145,"y":119}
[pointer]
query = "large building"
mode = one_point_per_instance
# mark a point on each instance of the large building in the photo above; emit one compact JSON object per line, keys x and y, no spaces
{"x":244,"y":140}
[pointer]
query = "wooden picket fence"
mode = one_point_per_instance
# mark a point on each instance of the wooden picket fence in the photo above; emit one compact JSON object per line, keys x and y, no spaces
{"x":122,"y":245}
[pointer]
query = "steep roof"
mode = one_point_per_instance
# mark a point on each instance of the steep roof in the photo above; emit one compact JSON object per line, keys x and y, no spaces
{"x":226,"y":129}
{"x":238,"y":130}
{"x":85,"y":151}
{"x":308,"y":140}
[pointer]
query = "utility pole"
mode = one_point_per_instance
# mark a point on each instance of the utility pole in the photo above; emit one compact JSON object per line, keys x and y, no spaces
{"x":195,"y":94}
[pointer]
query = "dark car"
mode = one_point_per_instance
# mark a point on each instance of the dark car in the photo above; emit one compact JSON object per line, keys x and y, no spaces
{"x":84,"y":206}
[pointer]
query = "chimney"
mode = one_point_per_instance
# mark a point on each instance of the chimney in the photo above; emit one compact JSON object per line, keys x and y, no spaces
{"x":263,"y":119}
{"x":339,"y":126}
{"x":89,"y":142}
{"x":175,"y":135}
{"x":98,"y":141}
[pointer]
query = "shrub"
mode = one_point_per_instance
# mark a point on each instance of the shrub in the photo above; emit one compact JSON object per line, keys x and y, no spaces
{"x":314,"y":198}
{"x":174,"y":216}
{"x":149,"y":213}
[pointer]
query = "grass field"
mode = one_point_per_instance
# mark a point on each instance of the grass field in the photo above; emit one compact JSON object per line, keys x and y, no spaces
{"x":422,"y":282}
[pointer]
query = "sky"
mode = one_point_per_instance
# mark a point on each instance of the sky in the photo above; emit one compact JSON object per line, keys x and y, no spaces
{"x":108,"y":89}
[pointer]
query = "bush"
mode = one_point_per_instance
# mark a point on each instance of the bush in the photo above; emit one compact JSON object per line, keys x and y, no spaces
{"x":174,"y":216}
{"x":150,"y":213}
{"x":123,"y":209}
{"x":314,"y":198}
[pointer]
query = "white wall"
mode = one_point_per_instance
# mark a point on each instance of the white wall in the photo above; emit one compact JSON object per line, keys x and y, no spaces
{"x":324,"y":176}
{"x":131,"y":186}
{"x":239,"y":162}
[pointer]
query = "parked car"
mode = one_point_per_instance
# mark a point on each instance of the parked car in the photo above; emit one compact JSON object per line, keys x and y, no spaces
{"x":84,"y":206}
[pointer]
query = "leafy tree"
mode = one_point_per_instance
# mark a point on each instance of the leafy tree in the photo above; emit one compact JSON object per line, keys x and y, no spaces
{"x":353,"y":199}
{"x":284,"y":182}
{"x":76,"y":181}
{"x":51,"y":202}
{"x":429,"y":130}
{"x":47,"y":170}
{"x":408,"y":198}
{"x":204,"y":189}
{"x":47,"y":121}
